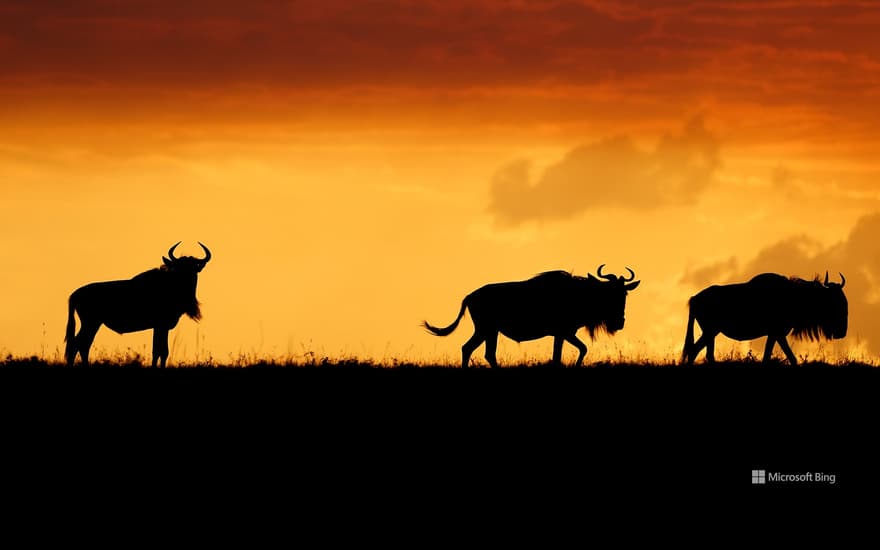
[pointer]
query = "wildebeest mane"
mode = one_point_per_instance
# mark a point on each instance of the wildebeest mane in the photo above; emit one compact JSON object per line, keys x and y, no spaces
{"x":555,"y":273}
{"x":593,"y":325}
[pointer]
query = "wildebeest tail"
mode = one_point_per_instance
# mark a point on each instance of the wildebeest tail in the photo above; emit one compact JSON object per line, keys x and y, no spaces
{"x":689,"y":335}
{"x":447,"y":330}
{"x":70,"y":334}
{"x":71,"y":322}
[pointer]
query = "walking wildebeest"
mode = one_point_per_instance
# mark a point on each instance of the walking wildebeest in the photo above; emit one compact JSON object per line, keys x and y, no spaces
{"x":155,"y":299}
{"x":554,"y":303}
{"x":768,"y":305}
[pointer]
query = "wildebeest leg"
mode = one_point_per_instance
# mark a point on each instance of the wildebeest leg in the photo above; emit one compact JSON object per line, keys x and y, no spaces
{"x":768,"y":348}
{"x":469,"y":347}
{"x":710,"y":347}
{"x":84,"y":341}
{"x":160,"y":346}
{"x":581,"y":347}
{"x":696,"y":349}
{"x":557,"y":350}
{"x":491,"y":345}
{"x":783,"y":343}
{"x":71,"y":348}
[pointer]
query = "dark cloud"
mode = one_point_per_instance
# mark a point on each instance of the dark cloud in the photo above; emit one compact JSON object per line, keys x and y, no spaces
{"x":858,"y":258}
{"x":611,"y":172}
{"x":473,"y":42}
{"x":815,"y":54}
{"x":817,"y":62}
{"x":312,"y":42}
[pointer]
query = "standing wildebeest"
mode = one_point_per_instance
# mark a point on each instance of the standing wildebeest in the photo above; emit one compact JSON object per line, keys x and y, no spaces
{"x":155,"y":299}
{"x":554,"y":303}
{"x":769,"y":305}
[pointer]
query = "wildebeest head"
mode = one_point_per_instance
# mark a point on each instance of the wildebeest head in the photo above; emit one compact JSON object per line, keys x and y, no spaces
{"x":185,"y":270}
{"x":825,"y":310}
{"x":610,"y":304}
{"x":837,"y":308}
{"x":186,"y":264}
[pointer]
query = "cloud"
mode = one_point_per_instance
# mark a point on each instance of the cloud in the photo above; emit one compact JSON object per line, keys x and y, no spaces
{"x":611,"y":172}
{"x":785,"y":70}
{"x":316,"y":42}
{"x":857,"y":257}
{"x":333,"y":42}
{"x":710,"y":274}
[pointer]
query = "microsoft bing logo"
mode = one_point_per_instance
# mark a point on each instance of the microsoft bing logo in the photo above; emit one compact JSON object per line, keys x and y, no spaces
{"x":763,"y":477}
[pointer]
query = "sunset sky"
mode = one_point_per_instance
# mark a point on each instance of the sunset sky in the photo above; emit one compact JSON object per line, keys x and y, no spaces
{"x":357,"y":167}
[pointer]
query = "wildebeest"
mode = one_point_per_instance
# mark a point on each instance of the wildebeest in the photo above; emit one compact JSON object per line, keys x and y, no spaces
{"x":155,"y":299}
{"x":554,"y":303}
{"x":768,"y":305}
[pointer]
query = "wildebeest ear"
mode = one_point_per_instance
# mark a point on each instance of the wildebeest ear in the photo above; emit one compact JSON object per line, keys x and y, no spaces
{"x":590,"y":276}
{"x":168,"y":262}
{"x":632,"y":286}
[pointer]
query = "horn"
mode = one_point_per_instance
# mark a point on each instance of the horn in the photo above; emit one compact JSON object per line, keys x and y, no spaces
{"x":171,"y":252}
{"x":826,"y":278}
{"x":632,"y":275}
{"x":207,"y":253}
{"x":606,"y":277}
{"x":842,"y":279}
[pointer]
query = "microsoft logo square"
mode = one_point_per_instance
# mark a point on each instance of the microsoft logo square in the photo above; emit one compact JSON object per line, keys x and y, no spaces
{"x":759,"y":477}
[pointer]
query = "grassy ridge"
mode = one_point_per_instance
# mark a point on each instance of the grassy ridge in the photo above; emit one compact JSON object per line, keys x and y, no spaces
{"x":35,"y":362}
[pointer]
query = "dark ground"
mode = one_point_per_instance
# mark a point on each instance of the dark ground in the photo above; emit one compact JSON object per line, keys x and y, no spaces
{"x":453,"y":433}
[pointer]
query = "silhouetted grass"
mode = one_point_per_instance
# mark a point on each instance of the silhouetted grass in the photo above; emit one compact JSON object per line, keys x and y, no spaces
{"x":351,"y":363}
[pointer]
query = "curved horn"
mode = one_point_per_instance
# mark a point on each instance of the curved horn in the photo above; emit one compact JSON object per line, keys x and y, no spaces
{"x":171,"y":252}
{"x":826,"y":278}
{"x":207,"y":253}
{"x":607,"y":277}
{"x":632,"y":275}
{"x":842,"y":279}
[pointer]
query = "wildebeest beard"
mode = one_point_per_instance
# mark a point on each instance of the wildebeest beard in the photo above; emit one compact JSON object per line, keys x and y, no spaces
{"x":597,"y":326}
{"x":191,"y":304}
{"x":193,"y":311}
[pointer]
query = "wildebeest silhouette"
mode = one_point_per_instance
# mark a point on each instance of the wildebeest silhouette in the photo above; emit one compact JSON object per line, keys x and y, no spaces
{"x":155,"y":299}
{"x":770,"y":305}
{"x":553,"y":303}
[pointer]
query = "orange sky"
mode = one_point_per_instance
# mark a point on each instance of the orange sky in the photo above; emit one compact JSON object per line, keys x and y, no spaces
{"x":358,"y":166}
